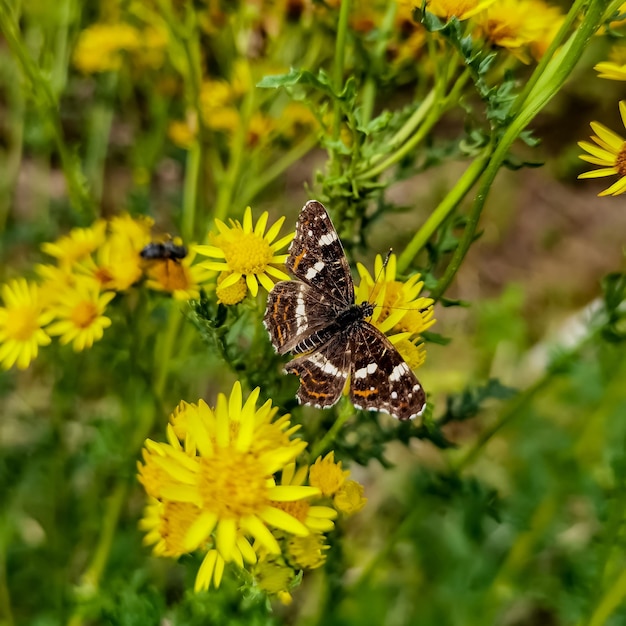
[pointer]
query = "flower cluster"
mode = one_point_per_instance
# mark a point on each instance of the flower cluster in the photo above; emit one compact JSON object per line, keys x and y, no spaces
{"x":69,"y":299}
{"x":226,"y":485}
{"x":399,"y":310}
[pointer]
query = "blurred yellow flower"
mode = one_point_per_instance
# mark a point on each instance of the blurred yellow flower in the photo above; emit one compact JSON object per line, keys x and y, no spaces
{"x":226,"y":470}
{"x":78,"y":245}
{"x":609,"y":152}
{"x":349,"y":499}
{"x":275,"y":577}
{"x":461,"y":9}
{"x":518,"y":25}
{"x":79,"y":312}
{"x":307,"y":552}
{"x":22,"y":319}
{"x":99,"y":48}
{"x":610,"y":70}
{"x":247,"y":251}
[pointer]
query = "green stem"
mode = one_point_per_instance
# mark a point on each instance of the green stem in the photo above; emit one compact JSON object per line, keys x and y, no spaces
{"x":6,"y":613}
{"x":326,"y":441}
{"x":190,"y":192}
{"x":447,"y":205}
{"x":613,"y":597}
{"x":434,"y":108}
{"x":546,"y":86}
{"x":338,"y":65}
{"x":227,"y":184}
{"x":369,"y":89}
{"x":91,"y":578}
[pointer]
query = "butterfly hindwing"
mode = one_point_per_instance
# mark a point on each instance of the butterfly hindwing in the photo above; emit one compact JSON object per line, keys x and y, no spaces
{"x":316,"y":255}
{"x":294,"y":316}
{"x":380,"y":379}
{"x":322,"y":373}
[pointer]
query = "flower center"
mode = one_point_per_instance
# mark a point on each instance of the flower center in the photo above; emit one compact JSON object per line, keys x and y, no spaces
{"x":298,"y":509}
{"x":233,"y":294}
{"x":232,"y":484}
{"x":620,"y":160}
{"x":84,"y":314}
{"x":247,"y":253}
{"x":21,"y":323}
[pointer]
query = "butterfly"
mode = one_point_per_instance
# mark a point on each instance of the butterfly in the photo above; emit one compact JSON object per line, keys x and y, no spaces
{"x":317,"y":319}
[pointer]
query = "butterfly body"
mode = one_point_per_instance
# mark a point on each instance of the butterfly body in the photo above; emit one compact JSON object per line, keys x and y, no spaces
{"x":316,"y":318}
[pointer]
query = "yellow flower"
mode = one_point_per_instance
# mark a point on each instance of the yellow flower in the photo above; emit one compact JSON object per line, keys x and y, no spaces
{"x":275,"y":577}
{"x":615,"y":67}
{"x":307,"y":552}
{"x":327,"y":475}
{"x":180,"y":277}
{"x":231,"y":294}
{"x":226,"y":469}
{"x":80,"y":314}
{"x":398,"y":306}
{"x":610,"y":153}
{"x":21,"y":324}
{"x":462,"y":9}
{"x":518,"y":25}
{"x":349,"y":499}
{"x":166,"y":524}
{"x":248,"y":252}
{"x":182,"y":133}
{"x":99,"y":47}
{"x":78,"y":245}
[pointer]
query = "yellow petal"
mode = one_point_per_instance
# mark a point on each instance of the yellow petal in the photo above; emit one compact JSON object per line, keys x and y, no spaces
{"x":200,"y":530}
{"x":274,"y":230}
{"x":252,"y":283}
{"x":259,"y":229}
{"x":225,"y":538}
{"x":284,"y":521}
{"x":205,"y":571}
{"x":606,"y":171}
{"x":261,"y":533}
{"x":212,"y":251}
{"x":290,"y":493}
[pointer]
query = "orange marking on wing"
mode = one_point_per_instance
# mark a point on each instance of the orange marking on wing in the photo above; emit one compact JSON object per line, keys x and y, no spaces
{"x":365,"y":393}
{"x":278,"y":329}
{"x":298,"y":259}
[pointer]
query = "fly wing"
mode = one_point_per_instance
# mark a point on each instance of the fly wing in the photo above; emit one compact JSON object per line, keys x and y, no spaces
{"x":380,"y":379}
{"x":317,"y":257}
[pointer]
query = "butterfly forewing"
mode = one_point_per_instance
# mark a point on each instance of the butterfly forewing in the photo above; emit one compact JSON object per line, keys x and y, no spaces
{"x":323,"y":373}
{"x":316,"y":255}
{"x":380,"y":379}
{"x":295,"y":314}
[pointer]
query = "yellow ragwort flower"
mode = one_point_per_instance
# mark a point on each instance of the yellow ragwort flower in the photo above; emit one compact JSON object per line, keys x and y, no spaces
{"x":615,"y":67}
{"x":275,"y":577}
{"x":247,"y":252}
{"x":226,"y":469}
{"x":610,"y":153}
{"x":79,"y":314}
{"x":518,"y":25}
{"x":461,"y":9}
{"x":307,"y":552}
{"x":22,"y":319}
{"x":398,"y":306}
{"x":349,"y":499}
{"x":78,"y":245}
{"x":327,"y":475}
{"x":99,"y":48}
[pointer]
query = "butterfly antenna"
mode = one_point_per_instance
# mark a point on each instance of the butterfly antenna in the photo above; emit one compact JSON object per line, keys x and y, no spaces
{"x":381,"y":272}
